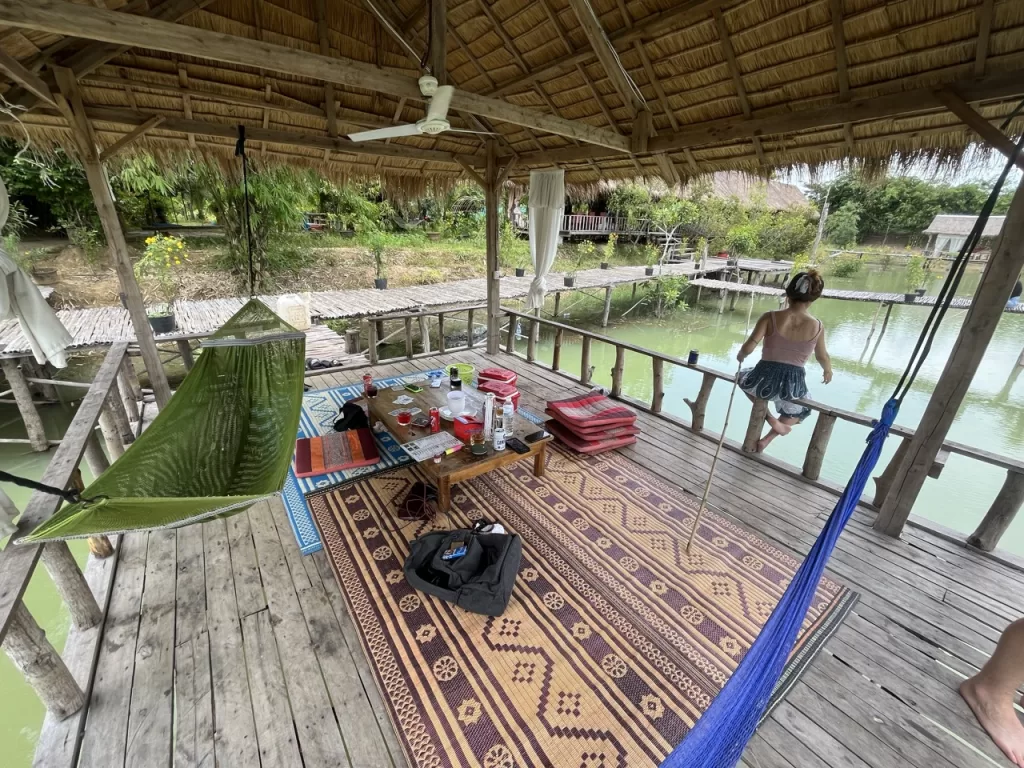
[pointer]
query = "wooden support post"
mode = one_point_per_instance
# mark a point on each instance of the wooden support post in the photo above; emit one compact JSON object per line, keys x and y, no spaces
{"x":1020,"y":360}
{"x":408,"y":338}
{"x":380,"y":330}
{"x":27,"y":409}
{"x":124,"y":389}
{"x":42,"y":666}
{"x":352,"y":341}
{"x":424,"y":321}
{"x":510,"y":337}
{"x":531,"y":342}
{"x":470,"y":329}
{"x":699,"y":407}
{"x":732,"y":300}
{"x":99,"y":184}
{"x":818,"y":445}
{"x":556,"y":352}
{"x":95,"y":458}
{"x":441,"y":346}
{"x":883,"y":482}
{"x":633,"y":294}
{"x":607,"y":306}
{"x":185,"y":350}
{"x":758,"y":413}
{"x":658,"y":395}
{"x":34,"y":371}
{"x":617,"y":370}
{"x":999,"y":516}
{"x":70,"y":582}
{"x":111,"y":433}
{"x":371,"y":341}
{"x":558,"y":301}
{"x":585,"y":360}
{"x":117,"y":410}
{"x":132,"y":378}
{"x":491,"y":227}
{"x":986,"y":310}
{"x":7,"y":514}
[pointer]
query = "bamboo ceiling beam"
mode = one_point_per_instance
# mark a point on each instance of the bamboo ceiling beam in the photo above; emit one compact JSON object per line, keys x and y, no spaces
{"x":63,"y":18}
{"x":687,"y":10}
{"x":734,"y":71}
{"x":842,"y":75}
{"x":438,"y":44}
{"x":606,"y":54}
{"x":994,"y":87}
{"x":27,"y":80}
{"x":131,"y":137}
{"x":991,"y":135}
{"x":985,"y":14}
{"x":323,"y":37}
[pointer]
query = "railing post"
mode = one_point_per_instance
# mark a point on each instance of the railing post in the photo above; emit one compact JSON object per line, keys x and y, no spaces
{"x":531,"y":342}
{"x":408,"y":338}
{"x":884,"y":481}
{"x":620,"y":364}
{"x":699,"y":407}
{"x":23,"y":397}
{"x":470,"y":330}
{"x":607,"y":306}
{"x":556,"y":352}
{"x":818,"y":445}
{"x":185,"y":350}
{"x":558,"y":301}
{"x":658,"y":396}
{"x":585,"y":360}
{"x":441,"y":346}
{"x":43,"y":668}
{"x":999,"y":516}
{"x":758,"y":412}
{"x":352,"y":341}
{"x":70,"y":582}
{"x":425,"y":332}
{"x":510,"y":341}
{"x":371,"y":339}
{"x":131,"y":405}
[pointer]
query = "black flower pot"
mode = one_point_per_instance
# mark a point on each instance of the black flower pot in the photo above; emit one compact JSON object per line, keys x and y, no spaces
{"x":605,"y":265}
{"x":380,"y":283}
{"x":520,"y":272}
{"x":908,"y":298}
{"x":649,"y":271}
{"x":433,"y":236}
{"x":569,"y":282}
{"x":919,"y":291}
{"x":161,"y":323}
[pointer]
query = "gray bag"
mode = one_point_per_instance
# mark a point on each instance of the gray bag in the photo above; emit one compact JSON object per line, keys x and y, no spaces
{"x":480,"y":581}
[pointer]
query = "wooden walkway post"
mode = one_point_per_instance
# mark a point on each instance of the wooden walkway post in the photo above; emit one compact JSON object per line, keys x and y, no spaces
{"x":699,"y":407}
{"x":999,"y":516}
{"x":491,"y":229}
{"x":607,"y":306}
{"x":979,"y":325}
{"x":99,"y":184}
{"x":185,"y":350}
{"x":23,"y":397}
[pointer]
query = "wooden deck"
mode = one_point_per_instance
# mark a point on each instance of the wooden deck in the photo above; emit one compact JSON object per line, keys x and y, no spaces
{"x":224,"y":646}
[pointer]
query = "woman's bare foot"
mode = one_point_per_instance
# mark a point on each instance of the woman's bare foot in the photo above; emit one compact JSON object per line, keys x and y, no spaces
{"x":763,"y":443}
{"x":778,"y":426}
{"x":997,"y":716}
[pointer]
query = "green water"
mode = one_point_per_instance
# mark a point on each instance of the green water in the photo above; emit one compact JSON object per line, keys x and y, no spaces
{"x":865,"y":374}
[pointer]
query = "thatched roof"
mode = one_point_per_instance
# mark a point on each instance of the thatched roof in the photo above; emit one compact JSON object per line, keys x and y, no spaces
{"x":744,"y":187}
{"x":745,"y":85}
{"x":961,"y":226}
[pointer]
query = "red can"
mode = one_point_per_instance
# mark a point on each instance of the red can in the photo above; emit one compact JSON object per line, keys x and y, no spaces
{"x":435,"y":419}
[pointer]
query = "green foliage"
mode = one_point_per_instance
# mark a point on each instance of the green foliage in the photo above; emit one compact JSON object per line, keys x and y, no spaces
{"x":842,"y":223}
{"x":800,"y":263}
{"x":348,"y":206}
{"x":667,"y":293}
{"x":652,"y":255}
{"x":843,"y":265}
{"x":902,"y":205}
{"x":379,"y":247}
{"x":514,"y":250}
{"x":84,"y":235}
{"x":743,"y":240}
{"x":631,"y":201}
{"x":915,"y":274}
{"x":159,"y":265}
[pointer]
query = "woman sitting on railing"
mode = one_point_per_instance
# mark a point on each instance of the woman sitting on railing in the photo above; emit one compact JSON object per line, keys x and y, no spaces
{"x":790,"y":336}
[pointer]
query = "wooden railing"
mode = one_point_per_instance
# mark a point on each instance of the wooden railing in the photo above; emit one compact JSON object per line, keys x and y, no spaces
{"x":62,"y":686}
{"x":413,"y":322}
{"x":1000,"y":514}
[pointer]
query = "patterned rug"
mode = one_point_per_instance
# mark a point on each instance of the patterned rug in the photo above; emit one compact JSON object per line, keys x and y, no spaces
{"x":615,"y":641}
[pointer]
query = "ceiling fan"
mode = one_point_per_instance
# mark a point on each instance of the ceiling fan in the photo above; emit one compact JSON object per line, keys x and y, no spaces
{"x":439,"y":97}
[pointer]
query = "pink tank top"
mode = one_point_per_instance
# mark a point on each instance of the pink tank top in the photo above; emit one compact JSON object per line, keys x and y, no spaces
{"x":779,"y":349}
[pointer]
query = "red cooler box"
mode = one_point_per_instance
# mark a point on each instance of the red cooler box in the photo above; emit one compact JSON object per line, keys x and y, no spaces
{"x":501,"y":391}
{"x":504,"y":375}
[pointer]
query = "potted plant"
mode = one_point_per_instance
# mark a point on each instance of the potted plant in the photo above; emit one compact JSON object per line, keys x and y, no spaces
{"x":609,"y":249}
{"x":583,"y":251}
{"x":157,"y":266}
{"x":521,"y":262}
{"x":433,"y":230}
{"x":915,"y":278}
{"x":652,"y":260}
{"x":378,"y":249}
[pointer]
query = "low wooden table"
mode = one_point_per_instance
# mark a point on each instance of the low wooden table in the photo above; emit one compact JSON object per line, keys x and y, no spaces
{"x":461,"y":465}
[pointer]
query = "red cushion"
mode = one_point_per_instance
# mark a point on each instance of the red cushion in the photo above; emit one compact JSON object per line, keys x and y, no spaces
{"x":500,"y":390}
{"x":335,"y":452}
{"x":594,"y":433}
{"x":591,"y":410}
{"x":588,"y":446}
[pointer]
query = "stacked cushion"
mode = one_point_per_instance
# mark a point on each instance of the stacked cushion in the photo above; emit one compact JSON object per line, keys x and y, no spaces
{"x":592,"y":423}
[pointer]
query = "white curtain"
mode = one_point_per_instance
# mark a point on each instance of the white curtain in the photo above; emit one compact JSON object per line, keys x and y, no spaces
{"x":20,"y":298}
{"x":547,"y":204}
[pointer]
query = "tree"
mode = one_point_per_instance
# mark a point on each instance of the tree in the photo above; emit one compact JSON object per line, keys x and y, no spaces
{"x":841,"y":225}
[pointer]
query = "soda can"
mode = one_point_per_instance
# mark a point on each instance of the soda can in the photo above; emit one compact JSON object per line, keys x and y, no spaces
{"x":692,"y":359}
{"x":435,"y":419}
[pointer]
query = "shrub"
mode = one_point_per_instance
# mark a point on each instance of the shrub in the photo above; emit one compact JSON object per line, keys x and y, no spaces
{"x":915,"y":277}
{"x":158,"y":264}
{"x":843,"y":265}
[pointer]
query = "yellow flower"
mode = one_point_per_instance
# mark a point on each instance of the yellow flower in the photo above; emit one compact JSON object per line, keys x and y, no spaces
{"x":180,"y":244}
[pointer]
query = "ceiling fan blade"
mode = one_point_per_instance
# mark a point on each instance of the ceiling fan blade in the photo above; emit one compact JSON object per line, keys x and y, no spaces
{"x":393,"y":132}
{"x":463,"y":130}
{"x":437,"y":109}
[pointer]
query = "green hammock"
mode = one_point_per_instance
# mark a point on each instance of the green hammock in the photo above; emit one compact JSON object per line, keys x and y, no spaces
{"x":223,"y":442}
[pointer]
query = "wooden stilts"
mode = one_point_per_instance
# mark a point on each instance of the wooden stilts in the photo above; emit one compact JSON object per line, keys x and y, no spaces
{"x":71,"y":583}
{"x":371,"y":342}
{"x":633,"y":294}
{"x":470,"y":330}
{"x":27,"y":409}
{"x":883,"y":482}
{"x":8,"y":511}
{"x":558,"y":301}
{"x":33,"y":370}
{"x":1020,"y":360}
{"x":43,"y":668}
{"x":132,"y":378}
{"x":99,"y":546}
{"x":510,"y":335}
{"x":758,"y":413}
{"x":124,"y":390}
{"x":95,"y":458}
{"x":1001,"y":514}
{"x":408,"y":338}
{"x":699,"y":407}
{"x":117,"y":410}
{"x":607,"y":306}
{"x":185,"y":350}
{"x":352,"y":341}
{"x":986,"y":310}
{"x":732,"y":300}
{"x":111,"y":433}
{"x":617,"y":370}
{"x":531,"y":342}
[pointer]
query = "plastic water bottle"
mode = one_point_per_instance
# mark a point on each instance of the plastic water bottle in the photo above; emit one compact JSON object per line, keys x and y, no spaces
{"x":506,"y":416}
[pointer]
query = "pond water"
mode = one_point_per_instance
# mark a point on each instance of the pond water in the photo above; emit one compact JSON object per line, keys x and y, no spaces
{"x":866,"y":371}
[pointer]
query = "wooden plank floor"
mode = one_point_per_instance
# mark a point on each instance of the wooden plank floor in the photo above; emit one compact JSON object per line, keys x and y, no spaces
{"x":224,"y":646}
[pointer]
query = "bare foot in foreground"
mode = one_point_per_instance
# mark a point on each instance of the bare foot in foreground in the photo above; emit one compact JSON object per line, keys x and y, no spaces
{"x":998,"y":717}
{"x":778,"y":426}
{"x":763,"y":443}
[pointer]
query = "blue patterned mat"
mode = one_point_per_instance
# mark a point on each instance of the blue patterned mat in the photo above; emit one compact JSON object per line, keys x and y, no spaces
{"x":320,"y":409}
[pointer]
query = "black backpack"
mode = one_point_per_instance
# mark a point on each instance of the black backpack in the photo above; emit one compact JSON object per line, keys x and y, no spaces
{"x":480,"y":581}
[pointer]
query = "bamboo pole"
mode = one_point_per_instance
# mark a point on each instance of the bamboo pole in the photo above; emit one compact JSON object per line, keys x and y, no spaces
{"x":27,"y":409}
{"x":408,"y":338}
{"x":8,"y":511}
{"x":510,"y":336}
{"x":493,"y":260}
{"x":470,"y":341}
{"x":617,"y":370}
{"x":128,"y":401}
{"x":424,"y":321}
{"x":585,"y":360}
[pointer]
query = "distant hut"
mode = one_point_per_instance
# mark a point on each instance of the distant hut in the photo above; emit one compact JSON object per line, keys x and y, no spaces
{"x":947,"y":233}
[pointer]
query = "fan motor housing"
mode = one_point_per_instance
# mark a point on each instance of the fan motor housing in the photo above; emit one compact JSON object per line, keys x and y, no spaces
{"x":434,"y":127}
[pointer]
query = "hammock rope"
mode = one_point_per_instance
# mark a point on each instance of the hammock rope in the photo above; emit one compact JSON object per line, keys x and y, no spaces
{"x":246,"y":207}
{"x":720,"y":736}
